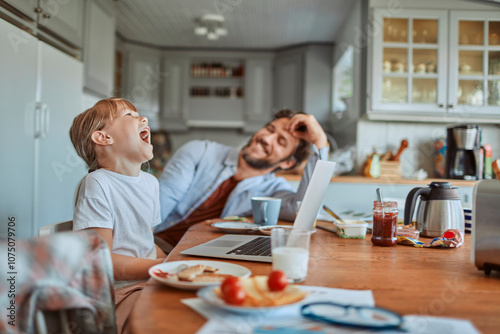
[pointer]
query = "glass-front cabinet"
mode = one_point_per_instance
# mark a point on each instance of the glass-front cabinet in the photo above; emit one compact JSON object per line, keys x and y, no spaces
{"x":436,"y":62}
{"x":409,"y":61}
{"x":475,"y":68}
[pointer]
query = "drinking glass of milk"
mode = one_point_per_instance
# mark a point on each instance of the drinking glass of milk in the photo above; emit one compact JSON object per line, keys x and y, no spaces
{"x":290,"y":251}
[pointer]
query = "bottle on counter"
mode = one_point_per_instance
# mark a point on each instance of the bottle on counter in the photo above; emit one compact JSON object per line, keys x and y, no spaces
{"x":488,"y":156}
{"x":385,"y":221}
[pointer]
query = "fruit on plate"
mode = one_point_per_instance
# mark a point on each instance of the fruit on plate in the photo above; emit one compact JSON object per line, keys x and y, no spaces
{"x":277,"y":281}
{"x":257,"y":293}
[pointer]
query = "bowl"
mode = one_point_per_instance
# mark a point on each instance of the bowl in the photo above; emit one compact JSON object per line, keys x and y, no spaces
{"x":351,"y":229}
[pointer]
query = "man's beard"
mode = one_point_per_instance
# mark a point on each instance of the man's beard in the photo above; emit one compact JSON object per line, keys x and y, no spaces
{"x":258,"y":163}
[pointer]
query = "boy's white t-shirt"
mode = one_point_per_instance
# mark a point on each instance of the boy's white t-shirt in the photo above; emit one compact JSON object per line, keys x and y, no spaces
{"x":128,"y":205}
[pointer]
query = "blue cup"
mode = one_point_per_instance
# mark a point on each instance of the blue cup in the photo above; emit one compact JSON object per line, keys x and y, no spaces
{"x":266,"y":210}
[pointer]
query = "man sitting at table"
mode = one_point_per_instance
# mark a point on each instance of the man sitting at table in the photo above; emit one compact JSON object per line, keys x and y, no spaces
{"x":205,"y":179}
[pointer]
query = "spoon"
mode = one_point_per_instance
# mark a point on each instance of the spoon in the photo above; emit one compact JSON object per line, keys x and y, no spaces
{"x":327,"y":209}
{"x":379,"y":195}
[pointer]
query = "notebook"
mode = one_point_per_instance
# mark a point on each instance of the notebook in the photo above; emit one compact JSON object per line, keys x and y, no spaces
{"x":258,"y":248}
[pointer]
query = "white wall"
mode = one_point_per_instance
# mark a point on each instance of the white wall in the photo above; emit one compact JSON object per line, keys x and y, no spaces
{"x":420,"y":153}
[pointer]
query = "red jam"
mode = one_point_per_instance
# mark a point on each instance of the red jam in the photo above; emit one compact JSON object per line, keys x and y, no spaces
{"x":385,"y":221}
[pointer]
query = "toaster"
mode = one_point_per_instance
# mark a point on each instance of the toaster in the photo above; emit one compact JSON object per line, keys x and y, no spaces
{"x":485,"y":245}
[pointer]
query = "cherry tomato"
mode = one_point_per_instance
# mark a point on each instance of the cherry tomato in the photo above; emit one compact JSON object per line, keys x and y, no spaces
{"x":277,"y":281}
{"x":230,"y":281}
{"x":234,"y":294}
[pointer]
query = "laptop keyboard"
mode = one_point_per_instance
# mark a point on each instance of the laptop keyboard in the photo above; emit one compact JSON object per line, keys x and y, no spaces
{"x":260,"y":246}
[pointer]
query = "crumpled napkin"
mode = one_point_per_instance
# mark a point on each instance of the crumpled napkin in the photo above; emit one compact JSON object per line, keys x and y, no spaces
{"x":451,"y":238}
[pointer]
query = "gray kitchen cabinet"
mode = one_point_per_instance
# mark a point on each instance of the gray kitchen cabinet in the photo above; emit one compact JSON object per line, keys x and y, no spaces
{"x":174,"y":93}
{"x":59,"y":22}
{"x":142,"y":81}
{"x":26,"y":7}
{"x":99,"y":47}
{"x":63,"y":18}
{"x":288,"y":81}
{"x":258,"y":92}
{"x":303,"y":80}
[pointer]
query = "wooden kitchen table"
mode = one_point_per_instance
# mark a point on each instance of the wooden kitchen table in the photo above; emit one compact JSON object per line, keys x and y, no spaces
{"x":406,"y":279}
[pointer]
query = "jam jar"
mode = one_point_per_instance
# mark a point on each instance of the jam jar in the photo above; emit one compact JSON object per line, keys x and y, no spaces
{"x":385,"y":221}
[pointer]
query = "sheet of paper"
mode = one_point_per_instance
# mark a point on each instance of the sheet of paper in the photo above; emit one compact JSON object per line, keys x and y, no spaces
{"x":226,"y":322}
{"x":288,"y":319}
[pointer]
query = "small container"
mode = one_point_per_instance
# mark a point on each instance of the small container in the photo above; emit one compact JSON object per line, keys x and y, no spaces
{"x":408,"y":232}
{"x":351,"y":229}
{"x":385,"y":221}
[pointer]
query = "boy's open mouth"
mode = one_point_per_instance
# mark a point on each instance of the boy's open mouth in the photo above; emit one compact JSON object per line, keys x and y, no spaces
{"x":145,"y":135}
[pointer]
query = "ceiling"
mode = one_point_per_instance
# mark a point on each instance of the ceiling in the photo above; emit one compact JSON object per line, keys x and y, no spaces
{"x":252,"y":24}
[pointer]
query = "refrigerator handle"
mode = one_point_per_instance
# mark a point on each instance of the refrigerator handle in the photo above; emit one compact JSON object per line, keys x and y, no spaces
{"x":45,"y":119}
{"x":38,"y":122}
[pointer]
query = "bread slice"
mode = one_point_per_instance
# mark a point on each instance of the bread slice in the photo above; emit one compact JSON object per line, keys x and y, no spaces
{"x":190,"y":273}
{"x":204,"y":278}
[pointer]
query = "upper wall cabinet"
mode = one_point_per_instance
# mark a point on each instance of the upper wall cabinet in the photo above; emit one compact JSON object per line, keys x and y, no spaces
{"x":303,"y":80}
{"x":474,"y":84}
{"x":62,"y":20}
{"x":99,"y":47}
{"x":436,"y":64}
{"x":142,"y":81}
{"x":27,"y":7}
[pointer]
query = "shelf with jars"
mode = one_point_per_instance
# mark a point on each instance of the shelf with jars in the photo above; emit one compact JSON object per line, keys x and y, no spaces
{"x":214,"y":79}
{"x":221,"y":92}
{"x":439,"y":62}
{"x":203,"y":69}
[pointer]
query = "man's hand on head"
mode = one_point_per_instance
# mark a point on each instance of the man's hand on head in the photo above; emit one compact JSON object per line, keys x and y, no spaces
{"x":306,"y":127}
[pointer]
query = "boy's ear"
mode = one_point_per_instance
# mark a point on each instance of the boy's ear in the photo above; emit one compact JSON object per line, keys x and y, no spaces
{"x":101,"y":138}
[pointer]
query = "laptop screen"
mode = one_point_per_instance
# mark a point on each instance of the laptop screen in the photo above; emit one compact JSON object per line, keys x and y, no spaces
{"x":313,"y":197}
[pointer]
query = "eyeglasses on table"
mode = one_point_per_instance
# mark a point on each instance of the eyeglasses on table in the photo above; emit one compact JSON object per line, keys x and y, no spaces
{"x":352,"y":316}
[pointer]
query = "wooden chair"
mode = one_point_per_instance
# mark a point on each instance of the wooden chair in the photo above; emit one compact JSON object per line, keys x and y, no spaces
{"x":64,"y":284}
{"x":56,"y":228}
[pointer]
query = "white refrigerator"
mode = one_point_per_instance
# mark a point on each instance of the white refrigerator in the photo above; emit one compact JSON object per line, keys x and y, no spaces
{"x":40,"y":93}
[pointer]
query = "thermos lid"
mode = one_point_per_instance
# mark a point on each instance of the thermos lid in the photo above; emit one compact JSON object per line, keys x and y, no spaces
{"x":464,"y":126}
{"x":442,"y":191}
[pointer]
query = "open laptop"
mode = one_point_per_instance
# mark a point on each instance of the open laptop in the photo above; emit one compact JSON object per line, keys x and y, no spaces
{"x":258,"y":248}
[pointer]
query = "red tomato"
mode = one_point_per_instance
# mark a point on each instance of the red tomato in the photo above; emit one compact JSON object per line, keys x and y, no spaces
{"x":234,"y":294}
{"x":230,"y":281}
{"x":277,"y":281}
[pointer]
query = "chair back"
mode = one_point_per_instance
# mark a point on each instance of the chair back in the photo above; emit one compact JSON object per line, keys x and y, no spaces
{"x":56,"y":228}
{"x":63,"y":283}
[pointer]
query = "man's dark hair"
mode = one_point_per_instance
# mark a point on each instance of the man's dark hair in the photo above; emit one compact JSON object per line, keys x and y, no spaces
{"x":302,"y":151}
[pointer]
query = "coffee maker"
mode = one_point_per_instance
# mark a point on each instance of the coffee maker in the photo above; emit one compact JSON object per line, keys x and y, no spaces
{"x":464,"y":155}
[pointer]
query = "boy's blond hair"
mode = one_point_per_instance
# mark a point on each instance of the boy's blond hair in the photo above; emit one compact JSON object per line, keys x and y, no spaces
{"x":91,"y":120}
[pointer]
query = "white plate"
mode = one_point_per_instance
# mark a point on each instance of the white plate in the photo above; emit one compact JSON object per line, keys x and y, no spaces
{"x":176,"y":266}
{"x":208,"y":294}
{"x":235,"y":227}
{"x":267,"y":228}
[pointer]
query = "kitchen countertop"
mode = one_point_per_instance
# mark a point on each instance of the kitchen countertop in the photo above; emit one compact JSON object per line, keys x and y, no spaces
{"x":362,"y":179}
